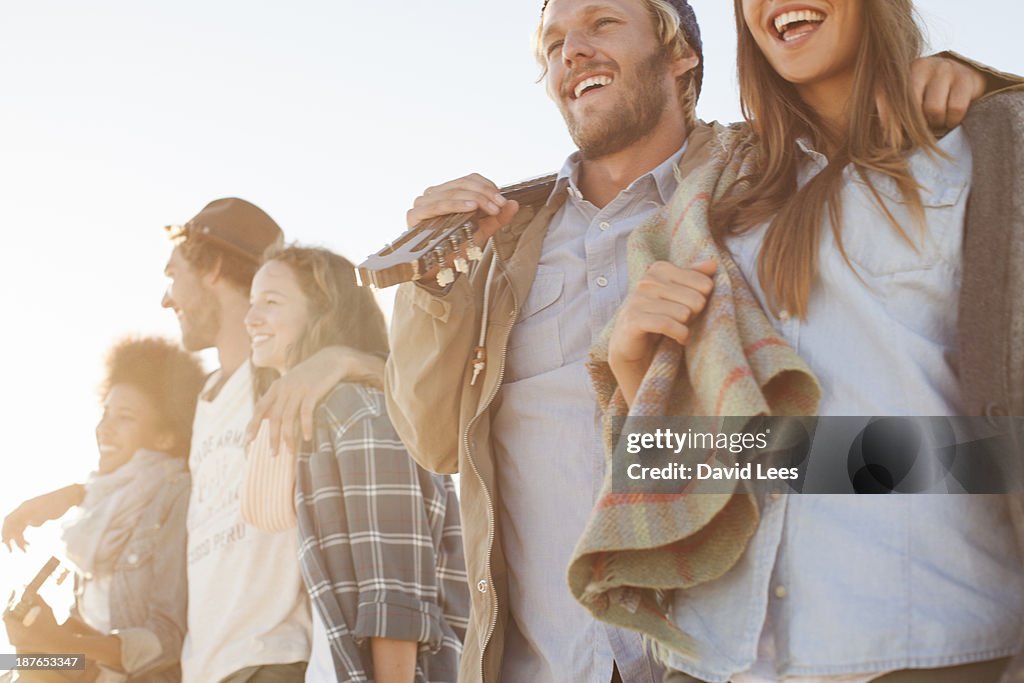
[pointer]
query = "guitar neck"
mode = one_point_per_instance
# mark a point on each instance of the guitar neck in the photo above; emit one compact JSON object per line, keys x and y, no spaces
{"x":28,"y":595}
{"x":42,"y":575}
{"x":436,"y":245}
{"x":531,"y":191}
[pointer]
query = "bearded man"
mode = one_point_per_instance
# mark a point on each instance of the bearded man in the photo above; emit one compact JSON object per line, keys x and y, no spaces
{"x":497,"y":389}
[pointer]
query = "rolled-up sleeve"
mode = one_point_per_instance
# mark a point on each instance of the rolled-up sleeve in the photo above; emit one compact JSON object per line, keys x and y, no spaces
{"x":390,"y":537}
{"x":372,"y":556}
{"x":379,"y":542}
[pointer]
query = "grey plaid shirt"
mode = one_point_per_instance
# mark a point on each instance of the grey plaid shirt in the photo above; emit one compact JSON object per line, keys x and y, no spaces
{"x":380,"y":541}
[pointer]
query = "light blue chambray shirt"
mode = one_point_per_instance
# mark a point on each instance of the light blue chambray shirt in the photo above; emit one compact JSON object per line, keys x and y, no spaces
{"x":547,"y":438}
{"x":860,"y":584}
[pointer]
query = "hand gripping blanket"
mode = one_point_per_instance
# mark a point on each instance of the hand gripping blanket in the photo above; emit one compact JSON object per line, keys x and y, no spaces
{"x":639,"y":546}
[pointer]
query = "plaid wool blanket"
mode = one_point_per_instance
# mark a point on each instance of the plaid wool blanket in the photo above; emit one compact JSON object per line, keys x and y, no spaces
{"x":639,"y":546}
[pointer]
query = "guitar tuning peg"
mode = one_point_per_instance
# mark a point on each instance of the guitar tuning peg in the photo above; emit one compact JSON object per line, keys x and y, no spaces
{"x":461,"y":265}
{"x":445,"y":277}
{"x":473,"y":252}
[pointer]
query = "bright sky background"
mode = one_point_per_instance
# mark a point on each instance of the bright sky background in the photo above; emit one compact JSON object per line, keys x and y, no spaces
{"x":118,"y":117}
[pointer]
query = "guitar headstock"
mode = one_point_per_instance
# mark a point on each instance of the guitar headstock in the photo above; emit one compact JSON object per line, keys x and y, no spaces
{"x":444,"y":244}
{"x":21,"y":606}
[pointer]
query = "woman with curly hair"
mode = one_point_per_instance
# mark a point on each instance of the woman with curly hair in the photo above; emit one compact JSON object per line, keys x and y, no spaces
{"x":379,"y":538}
{"x":126,"y":539}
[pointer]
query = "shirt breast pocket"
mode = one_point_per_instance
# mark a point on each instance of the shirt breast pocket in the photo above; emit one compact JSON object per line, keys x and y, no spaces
{"x":534,"y":345}
{"x":915,"y":276}
{"x":878,"y":249}
{"x":139,"y":551}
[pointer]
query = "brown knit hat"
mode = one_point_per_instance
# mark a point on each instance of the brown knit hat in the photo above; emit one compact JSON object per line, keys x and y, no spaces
{"x":233,"y":224}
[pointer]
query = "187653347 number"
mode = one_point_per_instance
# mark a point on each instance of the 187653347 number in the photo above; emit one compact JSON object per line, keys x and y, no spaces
{"x":23,"y":662}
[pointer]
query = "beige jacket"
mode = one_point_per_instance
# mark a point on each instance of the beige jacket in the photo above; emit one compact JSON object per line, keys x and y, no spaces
{"x":444,"y":419}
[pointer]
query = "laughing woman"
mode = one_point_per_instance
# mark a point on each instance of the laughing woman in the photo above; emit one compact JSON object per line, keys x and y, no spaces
{"x":379,"y":538}
{"x":127,"y":538}
{"x":849,"y":230}
{"x":850,"y":233}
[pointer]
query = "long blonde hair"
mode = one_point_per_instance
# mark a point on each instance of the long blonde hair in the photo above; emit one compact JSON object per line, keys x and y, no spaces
{"x":788,"y":265}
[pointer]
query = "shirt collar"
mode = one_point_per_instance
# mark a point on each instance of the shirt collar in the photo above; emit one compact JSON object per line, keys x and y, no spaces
{"x":663,"y":176}
{"x":939,"y":179}
{"x":807,"y":147}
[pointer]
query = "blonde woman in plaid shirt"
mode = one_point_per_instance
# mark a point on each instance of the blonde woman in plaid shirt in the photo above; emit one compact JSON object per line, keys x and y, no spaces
{"x":379,"y":538}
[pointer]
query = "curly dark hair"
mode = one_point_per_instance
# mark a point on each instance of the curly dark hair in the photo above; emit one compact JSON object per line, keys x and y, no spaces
{"x":170,"y":377}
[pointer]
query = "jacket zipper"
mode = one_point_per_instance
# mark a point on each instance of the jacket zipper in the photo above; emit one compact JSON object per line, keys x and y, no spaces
{"x":487,"y":494}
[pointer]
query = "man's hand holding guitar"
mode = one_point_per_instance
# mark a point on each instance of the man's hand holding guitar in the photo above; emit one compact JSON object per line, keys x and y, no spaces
{"x":448,"y":226}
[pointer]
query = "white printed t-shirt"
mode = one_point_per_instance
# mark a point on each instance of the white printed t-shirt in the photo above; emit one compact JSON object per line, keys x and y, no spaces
{"x":247,"y":605}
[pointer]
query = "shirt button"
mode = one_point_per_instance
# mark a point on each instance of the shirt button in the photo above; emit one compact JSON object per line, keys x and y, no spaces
{"x":482,"y":586}
{"x":602,"y":281}
{"x":780,"y":592}
{"x":783,"y":315}
{"x":133,"y":559}
{"x":604,"y":225}
{"x":776,"y":496}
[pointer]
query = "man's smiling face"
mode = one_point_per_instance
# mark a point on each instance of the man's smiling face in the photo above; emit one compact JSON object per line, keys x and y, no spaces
{"x":193,"y":302}
{"x":607,"y":71}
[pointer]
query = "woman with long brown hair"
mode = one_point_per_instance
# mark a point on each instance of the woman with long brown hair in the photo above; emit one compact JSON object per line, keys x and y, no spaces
{"x":379,"y":538}
{"x":847,"y":221}
{"x":830,"y":82}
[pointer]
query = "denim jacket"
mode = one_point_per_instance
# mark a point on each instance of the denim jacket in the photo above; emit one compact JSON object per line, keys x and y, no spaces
{"x":148,"y":590}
